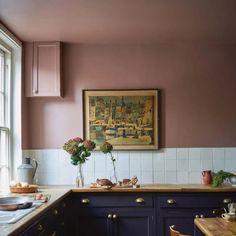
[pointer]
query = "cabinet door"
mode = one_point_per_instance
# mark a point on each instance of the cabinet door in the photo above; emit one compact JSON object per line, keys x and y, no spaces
{"x":43,"y":69}
{"x":181,"y":209}
{"x":93,"y":222}
{"x":138,"y":222}
{"x":182,"y":219}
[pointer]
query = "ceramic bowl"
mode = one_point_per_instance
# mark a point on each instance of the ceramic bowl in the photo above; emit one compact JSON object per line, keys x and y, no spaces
{"x":232,"y":180}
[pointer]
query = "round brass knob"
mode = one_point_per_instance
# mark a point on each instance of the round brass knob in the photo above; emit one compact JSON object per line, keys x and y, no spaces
{"x":196,"y":216}
{"x":227,"y":200}
{"x":171,"y":201}
{"x":39,"y":227}
{"x":140,"y":200}
{"x":201,"y":216}
{"x":109,"y":216}
{"x":114,"y":216}
{"x":55,"y":212}
{"x":85,"y":200}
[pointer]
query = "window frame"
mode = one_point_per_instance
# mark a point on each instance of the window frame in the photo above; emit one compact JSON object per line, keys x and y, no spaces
{"x":5,"y":126}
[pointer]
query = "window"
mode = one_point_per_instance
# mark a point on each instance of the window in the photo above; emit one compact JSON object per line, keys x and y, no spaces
{"x":4,"y":117}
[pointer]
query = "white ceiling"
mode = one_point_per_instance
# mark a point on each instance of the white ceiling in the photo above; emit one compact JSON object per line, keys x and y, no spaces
{"x":119,"y":21}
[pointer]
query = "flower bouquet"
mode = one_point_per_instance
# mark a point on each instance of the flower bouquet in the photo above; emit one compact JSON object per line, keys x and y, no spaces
{"x":79,"y":150}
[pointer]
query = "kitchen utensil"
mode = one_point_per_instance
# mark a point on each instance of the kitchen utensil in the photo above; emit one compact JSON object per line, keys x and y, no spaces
{"x":26,"y":171}
{"x":15,"y":203}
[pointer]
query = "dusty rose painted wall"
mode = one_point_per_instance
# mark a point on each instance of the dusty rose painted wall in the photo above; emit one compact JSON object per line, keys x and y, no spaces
{"x":198,"y":83}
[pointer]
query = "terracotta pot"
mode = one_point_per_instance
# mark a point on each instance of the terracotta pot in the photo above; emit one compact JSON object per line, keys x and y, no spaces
{"x":206,"y":177}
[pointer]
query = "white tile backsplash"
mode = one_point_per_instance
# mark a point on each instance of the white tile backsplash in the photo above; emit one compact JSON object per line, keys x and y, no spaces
{"x":169,"y":165}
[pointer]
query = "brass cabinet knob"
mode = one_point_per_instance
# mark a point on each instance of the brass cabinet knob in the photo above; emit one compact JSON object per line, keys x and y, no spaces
{"x":171,"y":201}
{"x":227,"y":200}
{"x":140,"y":200}
{"x":114,"y":216}
{"x":196,"y":216}
{"x":109,"y":216}
{"x":55,"y":212}
{"x":39,"y":227}
{"x":85,"y":200}
{"x":201,"y":216}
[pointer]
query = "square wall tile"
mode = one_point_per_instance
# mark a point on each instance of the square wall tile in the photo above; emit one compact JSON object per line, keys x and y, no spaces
{"x":135,"y":161}
{"x":158,"y":161}
{"x":146,"y":161}
{"x":170,"y":177}
{"x":218,"y":159}
{"x":170,"y":165}
{"x":170,"y":153}
{"x":182,"y":164}
{"x":182,"y":153}
{"x":50,"y":160}
{"x":123,"y":175}
{"x":182,"y":177}
{"x":206,"y":154}
{"x":230,"y":154}
{"x":159,"y":177}
{"x":123,"y":161}
{"x":195,"y":177}
{"x":194,"y":153}
{"x":100,"y":162}
{"x":230,"y":165}
{"x":194,"y":164}
{"x":147,"y":177}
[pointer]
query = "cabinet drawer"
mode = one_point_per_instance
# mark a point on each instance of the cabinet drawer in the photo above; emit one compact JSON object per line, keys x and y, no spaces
{"x":197,"y":200}
{"x":114,"y":200}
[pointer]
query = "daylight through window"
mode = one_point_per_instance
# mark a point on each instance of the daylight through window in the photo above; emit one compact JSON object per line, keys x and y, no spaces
{"x":4,"y":117}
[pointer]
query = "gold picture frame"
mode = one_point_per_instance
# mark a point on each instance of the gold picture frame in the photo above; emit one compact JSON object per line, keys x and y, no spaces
{"x":128,"y":119}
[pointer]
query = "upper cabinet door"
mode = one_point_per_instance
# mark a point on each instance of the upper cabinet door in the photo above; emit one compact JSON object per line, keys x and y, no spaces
{"x":43,"y":69}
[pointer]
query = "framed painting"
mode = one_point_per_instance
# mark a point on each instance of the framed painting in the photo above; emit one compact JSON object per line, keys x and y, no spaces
{"x":128,"y":119}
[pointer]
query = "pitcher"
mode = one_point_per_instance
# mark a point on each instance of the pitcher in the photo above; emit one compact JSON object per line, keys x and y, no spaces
{"x":26,"y":171}
{"x":206,"y":177}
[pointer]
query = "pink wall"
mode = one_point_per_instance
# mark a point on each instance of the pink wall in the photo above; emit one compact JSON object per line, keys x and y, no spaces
{"x":198,"y":83}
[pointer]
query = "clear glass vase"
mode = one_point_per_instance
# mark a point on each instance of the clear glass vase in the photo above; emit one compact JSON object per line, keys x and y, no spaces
{"x":80,"y":177}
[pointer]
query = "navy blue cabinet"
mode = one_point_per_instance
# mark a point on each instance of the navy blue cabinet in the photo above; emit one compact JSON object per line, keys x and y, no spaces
{"x":55,"y":221}
{"x":115,"y":214}
{"x":180,"y":209}
{"x":125,"y":214}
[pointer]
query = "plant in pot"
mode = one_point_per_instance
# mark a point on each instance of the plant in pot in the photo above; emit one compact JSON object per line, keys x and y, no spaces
{"x":221,"y":176}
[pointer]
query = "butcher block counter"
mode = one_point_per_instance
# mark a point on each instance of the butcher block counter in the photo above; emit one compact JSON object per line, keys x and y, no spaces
{"x":155,"y":197}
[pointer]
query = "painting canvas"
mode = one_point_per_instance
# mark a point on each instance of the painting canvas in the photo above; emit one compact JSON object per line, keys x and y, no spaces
{"x":128,"y":119}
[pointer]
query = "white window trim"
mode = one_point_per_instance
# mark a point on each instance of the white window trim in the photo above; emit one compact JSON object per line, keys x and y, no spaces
{"x":14,"y":47}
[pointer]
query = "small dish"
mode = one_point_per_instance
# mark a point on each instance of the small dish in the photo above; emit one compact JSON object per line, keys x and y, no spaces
{"x":229,"y":216}
{"x":29,"y":189}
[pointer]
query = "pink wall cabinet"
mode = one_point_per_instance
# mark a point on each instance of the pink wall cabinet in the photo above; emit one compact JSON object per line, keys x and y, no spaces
{"x":43,"y":69}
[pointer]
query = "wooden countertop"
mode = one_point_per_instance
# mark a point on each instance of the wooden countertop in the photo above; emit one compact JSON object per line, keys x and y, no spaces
{"x":216,"y":226}
{"x":161,"y":188}
{"x":59,"y":192}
